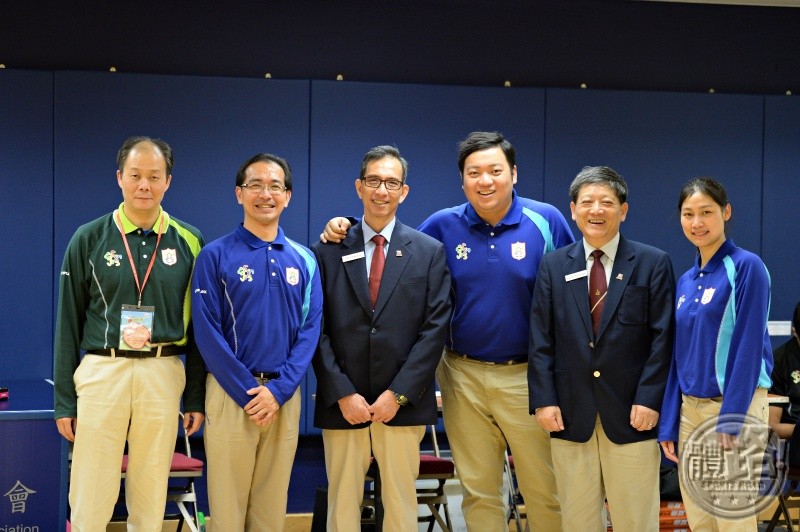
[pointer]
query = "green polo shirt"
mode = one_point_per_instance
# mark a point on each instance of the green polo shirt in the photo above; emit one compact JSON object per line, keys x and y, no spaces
{"x":97,"y":279}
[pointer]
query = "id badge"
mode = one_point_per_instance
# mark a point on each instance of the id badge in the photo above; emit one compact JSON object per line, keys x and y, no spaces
{"x":136,"y":327}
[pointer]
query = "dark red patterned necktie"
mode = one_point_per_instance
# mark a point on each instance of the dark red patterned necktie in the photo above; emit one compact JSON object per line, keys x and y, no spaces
{"x":376,"y":268}
{"x":598,"y":287}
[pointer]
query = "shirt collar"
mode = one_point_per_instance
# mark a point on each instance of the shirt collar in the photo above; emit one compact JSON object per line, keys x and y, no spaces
{"x":512,"y":217}
{"x":254,"y":242}
{"x":724,"y":250}
{"x":128,"y":226}
{"x":609,"y":249}
{"x":386,"y":232}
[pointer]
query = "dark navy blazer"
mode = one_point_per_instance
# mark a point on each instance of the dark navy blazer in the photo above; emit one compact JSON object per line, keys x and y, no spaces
{"x":629,"y":360}
{"x":398,"y":346}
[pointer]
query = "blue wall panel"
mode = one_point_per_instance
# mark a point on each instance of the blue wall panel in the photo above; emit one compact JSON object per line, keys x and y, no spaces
{"x":658,"y":141}
{"x":212,"y":124}
{"x":781,"y":237}
{"x":26,"y":224}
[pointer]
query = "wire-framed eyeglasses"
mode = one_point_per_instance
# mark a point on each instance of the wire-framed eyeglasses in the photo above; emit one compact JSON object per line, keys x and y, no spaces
{"x":258,"y":188}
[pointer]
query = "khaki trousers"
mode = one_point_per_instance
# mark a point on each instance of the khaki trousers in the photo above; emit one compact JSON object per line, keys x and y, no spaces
{"x":248,"y":466}
{"x":119,"y":399}
{"x":590,"y":472}
{"x":694,"y":411}
{"x":347,"y":456}
{"x":485,"y":410}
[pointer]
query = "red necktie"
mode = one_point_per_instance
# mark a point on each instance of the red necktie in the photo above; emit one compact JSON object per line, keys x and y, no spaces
{"x":598,"y":287}
{"x":376,"y":268}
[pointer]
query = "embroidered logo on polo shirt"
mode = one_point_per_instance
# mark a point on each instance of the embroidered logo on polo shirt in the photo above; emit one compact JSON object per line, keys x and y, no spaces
{"x":245,"y":273}
{"x":112,"y":258}
{"x":292,"y":276}
{"x":518,"y":250}
{"x":795,"y":376}
{"x":707,"y":295}
{"x":681,"y":300}
{"x":169,"y":256}
{"x":462,"y":251}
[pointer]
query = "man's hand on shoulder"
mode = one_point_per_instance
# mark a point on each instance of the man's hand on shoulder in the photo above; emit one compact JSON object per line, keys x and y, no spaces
{"x":335,"y":230}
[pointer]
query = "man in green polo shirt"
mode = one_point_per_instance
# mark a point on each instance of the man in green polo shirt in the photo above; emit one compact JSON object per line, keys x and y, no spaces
{"x":124,"y":304}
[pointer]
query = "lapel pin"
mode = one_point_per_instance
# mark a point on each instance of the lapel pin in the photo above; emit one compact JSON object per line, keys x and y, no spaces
{"x":619,"y":277}
{"x":398,"y":253}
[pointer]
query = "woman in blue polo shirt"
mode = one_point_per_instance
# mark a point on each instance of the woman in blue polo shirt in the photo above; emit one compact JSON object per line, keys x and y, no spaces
{"x":720,"y":369}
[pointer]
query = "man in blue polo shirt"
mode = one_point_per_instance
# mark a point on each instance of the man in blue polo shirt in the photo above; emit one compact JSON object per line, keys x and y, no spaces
{"x":493,"y":245}
{"x":257,"y":308}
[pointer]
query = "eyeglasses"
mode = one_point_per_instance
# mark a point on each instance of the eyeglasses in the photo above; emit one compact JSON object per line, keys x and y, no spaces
{"x":375,"y":182}
{"x":258,"y":188}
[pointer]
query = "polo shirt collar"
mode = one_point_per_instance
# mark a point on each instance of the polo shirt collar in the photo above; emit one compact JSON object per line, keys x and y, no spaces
{"x":129,"y":227}
{"x":725,"y":249}
{"x":256,"y":243}
{"x":512,"y":217}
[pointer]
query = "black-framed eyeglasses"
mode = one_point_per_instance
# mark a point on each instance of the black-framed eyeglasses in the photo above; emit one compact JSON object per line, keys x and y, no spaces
{"x":375,"y":182}
{"x":258,"y":188}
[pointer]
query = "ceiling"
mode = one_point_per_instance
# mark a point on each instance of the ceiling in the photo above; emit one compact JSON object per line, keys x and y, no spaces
{"x":620,"y":44}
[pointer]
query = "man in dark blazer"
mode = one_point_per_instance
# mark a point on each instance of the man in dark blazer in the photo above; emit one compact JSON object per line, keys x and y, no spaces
{"x":382,"y":338}
{"x":597,"y":386}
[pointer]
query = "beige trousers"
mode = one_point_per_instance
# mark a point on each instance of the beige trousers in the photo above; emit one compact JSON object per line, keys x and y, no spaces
{"x":248,"y":466}
{"x":119,"y":399}
{"x":347,"y":457}
{"x":693,"y":412}
{"x":485,"y":410}
{"x":590,"y":472}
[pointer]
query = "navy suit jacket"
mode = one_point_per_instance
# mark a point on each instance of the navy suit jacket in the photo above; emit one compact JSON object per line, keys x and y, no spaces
{"x":398,"y":346}
{"x":626,"y":364}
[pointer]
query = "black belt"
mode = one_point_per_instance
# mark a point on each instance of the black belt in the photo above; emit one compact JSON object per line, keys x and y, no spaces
{"x":265,"y":375}
{"x":165,"y":351}
{"x":510,"y":362}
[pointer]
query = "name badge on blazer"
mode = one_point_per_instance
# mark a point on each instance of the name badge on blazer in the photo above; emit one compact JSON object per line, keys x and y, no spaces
{"x":576,"y":275}
{"x":353,"y":256}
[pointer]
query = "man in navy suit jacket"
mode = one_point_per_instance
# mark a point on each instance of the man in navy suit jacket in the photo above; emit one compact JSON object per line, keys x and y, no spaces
{"x":599,"y":393}
{"x":376,"y":361}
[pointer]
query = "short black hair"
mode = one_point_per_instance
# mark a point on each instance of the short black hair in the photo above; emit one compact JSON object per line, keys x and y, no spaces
{"x":266,"y":158}
{"x":796,"y":318}
{"x":379,"y":152}
{"x":483,"y":140}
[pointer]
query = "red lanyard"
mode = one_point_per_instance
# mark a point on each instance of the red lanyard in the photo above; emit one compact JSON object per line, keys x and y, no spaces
{"x":130,"y":256}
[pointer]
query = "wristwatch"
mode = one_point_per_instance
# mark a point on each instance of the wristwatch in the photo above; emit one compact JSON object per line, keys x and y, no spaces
{"x":402,"y":400}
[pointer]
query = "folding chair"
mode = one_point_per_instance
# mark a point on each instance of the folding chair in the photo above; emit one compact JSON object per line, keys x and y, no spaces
{"x":787,"y":498}
{"x":434,"y":467}
{"x":516,"y":506}
{"x":182,"y":473}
